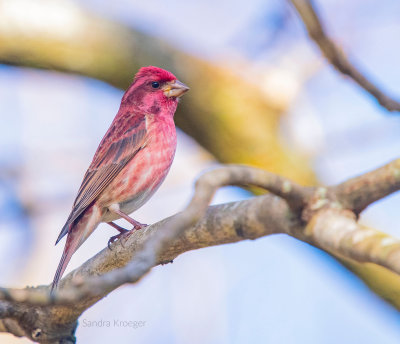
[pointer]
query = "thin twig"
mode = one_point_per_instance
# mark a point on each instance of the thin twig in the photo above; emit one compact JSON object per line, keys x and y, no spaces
{"x":359,"y":192}
{"x":337,"y":57}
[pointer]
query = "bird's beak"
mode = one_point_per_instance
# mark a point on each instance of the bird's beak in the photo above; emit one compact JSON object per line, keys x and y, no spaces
{"x":174,"y":89}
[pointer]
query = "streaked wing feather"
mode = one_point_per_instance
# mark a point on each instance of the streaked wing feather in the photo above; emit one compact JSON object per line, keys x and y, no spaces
{"x":104,"y":168}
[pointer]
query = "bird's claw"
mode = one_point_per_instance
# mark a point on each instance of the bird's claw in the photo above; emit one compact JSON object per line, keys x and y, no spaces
{"x":116,"y":237}
{"x":111,"y":240}
{"x":139,"y":226}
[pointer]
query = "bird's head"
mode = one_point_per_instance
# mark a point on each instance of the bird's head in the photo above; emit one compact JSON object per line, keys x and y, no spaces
{"x":154,"y":90}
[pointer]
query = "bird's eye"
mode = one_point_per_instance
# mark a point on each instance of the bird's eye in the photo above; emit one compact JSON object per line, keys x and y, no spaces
{"x":155,"y":84}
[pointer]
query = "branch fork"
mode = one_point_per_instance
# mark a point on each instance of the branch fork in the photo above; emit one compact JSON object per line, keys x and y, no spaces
{"x":322,"y":216}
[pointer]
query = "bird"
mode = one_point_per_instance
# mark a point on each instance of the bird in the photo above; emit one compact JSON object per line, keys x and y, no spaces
{"x":130,"y":163}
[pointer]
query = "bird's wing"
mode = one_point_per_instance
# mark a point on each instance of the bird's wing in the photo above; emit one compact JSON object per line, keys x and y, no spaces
{"x":114,"y":152}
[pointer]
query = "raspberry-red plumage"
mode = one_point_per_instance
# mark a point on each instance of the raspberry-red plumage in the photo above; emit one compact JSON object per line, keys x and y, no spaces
{"x":155,"y":73}
{"x":130,"y":163}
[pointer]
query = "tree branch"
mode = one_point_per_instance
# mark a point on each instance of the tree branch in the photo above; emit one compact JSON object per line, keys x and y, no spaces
{"x":150,"y":248}
{"x":314,"y":215}
{"x":359,"y":192}
{"x":222,"y":224}
{"x":336,"y":57}
{"x":337,"y":231}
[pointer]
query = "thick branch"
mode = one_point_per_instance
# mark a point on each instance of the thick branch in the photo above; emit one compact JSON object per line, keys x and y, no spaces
{"x":328,"y":226}
{"x":222,"y":224}
{"x":336,"y":56}
{"x":146,"y":257}
{"x":337,"y":232}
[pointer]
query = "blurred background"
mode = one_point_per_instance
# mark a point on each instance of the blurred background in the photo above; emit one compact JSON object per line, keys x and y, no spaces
{"x":260,"y":94}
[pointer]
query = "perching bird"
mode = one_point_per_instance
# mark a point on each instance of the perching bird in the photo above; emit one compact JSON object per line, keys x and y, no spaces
{"x":131,"y":161}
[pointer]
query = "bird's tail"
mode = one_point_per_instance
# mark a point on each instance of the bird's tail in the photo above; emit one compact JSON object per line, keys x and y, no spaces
{"x":78,"y":233}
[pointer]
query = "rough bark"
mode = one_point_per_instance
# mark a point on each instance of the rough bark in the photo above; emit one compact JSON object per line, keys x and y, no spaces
{"x":314,"y":215}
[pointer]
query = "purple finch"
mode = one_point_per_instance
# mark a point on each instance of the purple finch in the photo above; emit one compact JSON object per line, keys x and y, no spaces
{"x":131,"y":161}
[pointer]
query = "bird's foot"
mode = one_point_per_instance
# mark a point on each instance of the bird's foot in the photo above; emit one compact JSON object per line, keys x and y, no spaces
{"x":122,"y":232}
{"x":137,"y":225}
